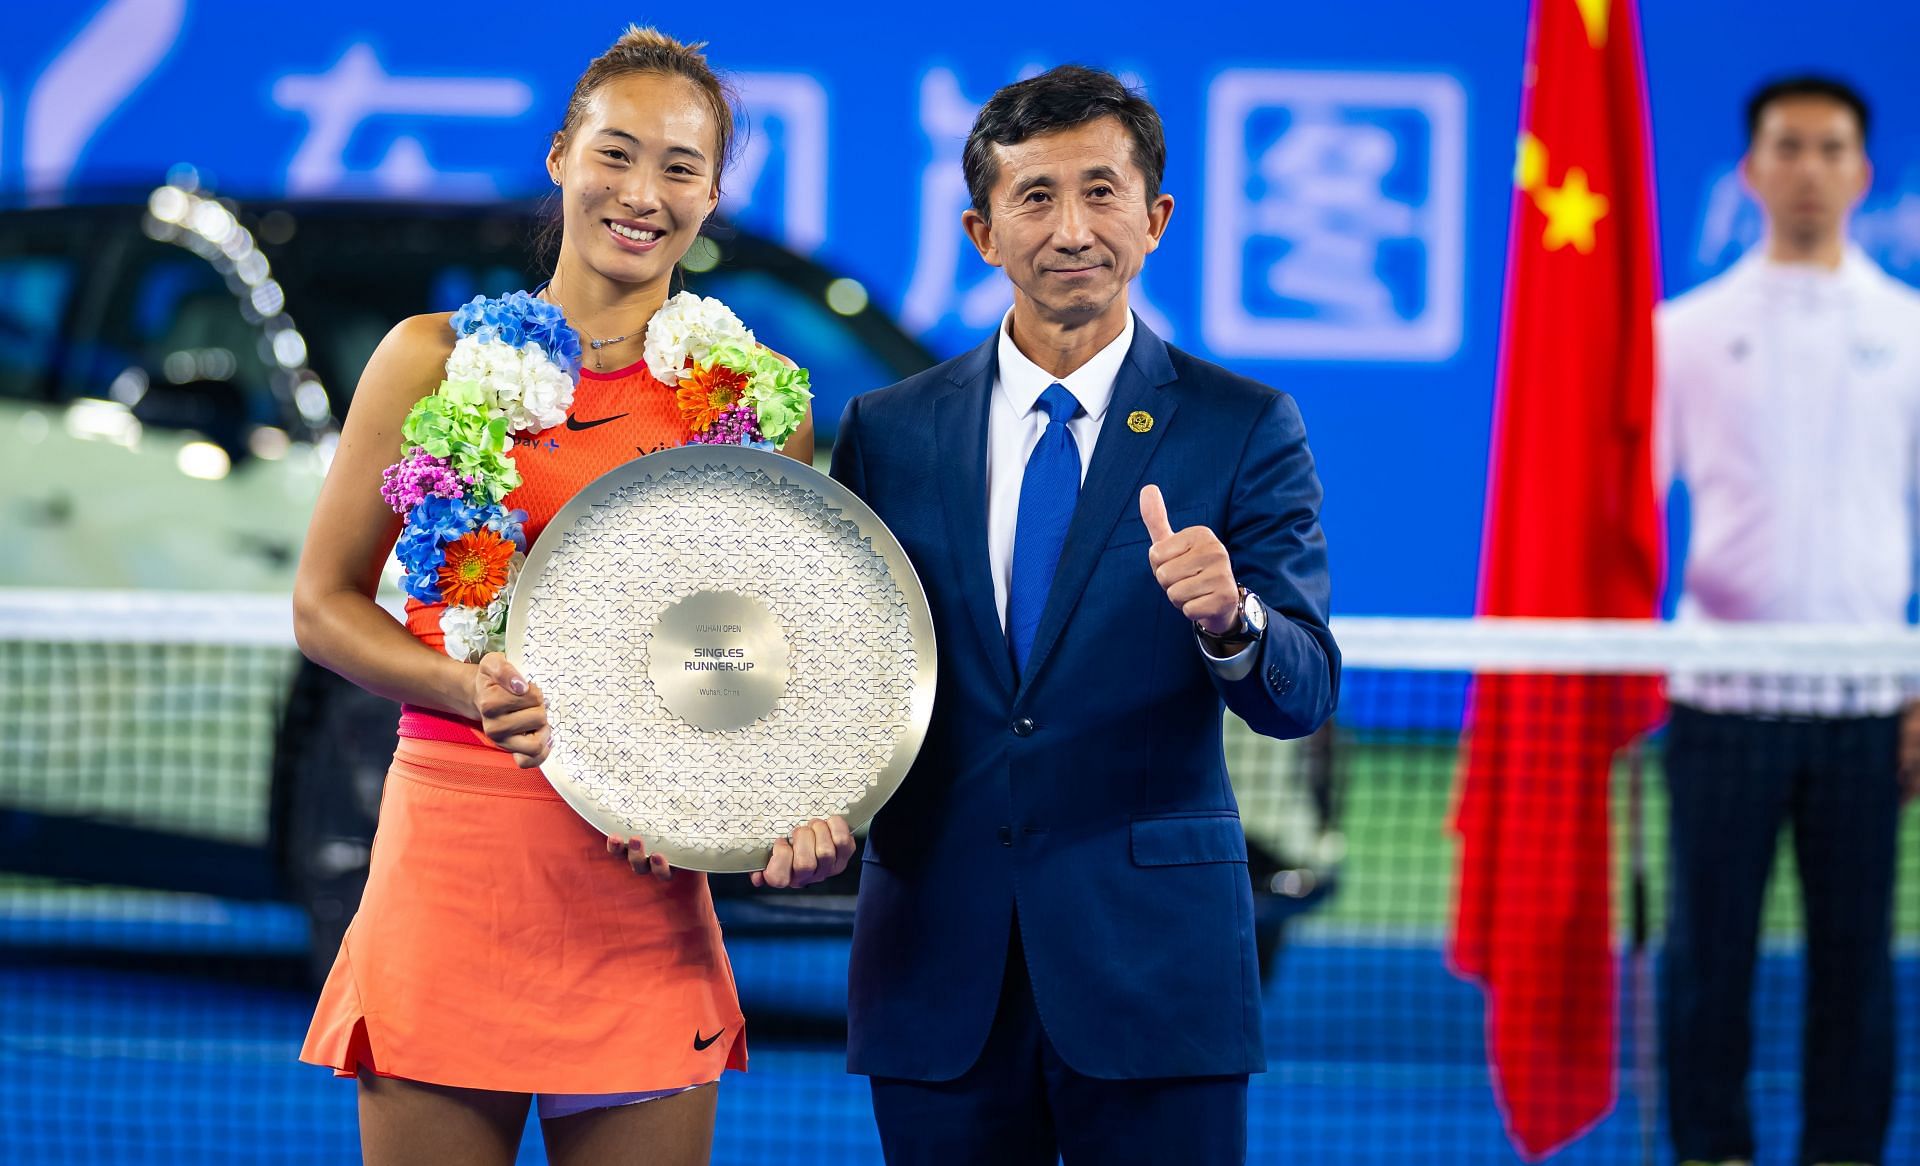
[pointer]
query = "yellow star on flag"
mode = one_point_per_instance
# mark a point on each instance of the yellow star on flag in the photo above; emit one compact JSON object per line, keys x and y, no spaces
{"x":1572,"y":209}
{"x":1529,"y":163}
{"x":1594,"y":14}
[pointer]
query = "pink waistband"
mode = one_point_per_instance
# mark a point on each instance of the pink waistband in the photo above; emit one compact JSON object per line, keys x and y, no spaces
{"x":433,"y":725}
{"x":468,"y":769}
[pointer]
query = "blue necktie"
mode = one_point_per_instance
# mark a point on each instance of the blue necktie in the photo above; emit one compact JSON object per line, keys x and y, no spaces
{"x":1048,"y":491}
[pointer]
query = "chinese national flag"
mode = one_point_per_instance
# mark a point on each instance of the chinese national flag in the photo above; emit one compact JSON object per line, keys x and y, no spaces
{"x":1572,"y":530}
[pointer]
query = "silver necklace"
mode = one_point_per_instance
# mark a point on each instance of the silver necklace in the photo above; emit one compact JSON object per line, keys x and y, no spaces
{"x":596,"y":345}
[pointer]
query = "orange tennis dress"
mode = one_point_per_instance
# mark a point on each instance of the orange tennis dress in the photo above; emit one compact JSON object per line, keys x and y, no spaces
{"x":498,"y":945}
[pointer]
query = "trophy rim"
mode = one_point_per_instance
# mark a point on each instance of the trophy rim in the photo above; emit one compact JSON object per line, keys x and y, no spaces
{"x":746,"y":858}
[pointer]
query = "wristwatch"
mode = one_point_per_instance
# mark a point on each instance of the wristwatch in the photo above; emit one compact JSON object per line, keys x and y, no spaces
{"x":1252,"y":625}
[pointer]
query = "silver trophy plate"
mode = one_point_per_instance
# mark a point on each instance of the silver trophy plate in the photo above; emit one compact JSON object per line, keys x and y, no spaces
{"x":730,"y":644}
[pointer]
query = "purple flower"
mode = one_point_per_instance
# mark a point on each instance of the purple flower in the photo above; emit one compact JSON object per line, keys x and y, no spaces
{"x":416,"y":477}
{"x":737,"y":424}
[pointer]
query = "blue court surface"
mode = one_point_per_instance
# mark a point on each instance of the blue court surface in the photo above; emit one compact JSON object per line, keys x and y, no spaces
{"x":1375,"y":1054}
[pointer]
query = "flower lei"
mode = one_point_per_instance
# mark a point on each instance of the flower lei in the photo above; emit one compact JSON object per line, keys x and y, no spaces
{"x":514,"y":368}
{"x":732,"y":390}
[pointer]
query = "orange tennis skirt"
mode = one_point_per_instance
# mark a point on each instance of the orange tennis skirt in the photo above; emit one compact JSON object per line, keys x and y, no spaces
{"x":499,"y":946}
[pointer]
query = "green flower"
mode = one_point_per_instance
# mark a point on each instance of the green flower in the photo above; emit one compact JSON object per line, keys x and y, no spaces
{"x":455,"y":424}
{"x":778,"y":392}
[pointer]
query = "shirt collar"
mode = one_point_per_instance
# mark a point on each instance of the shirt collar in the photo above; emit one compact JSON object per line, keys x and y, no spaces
{"x":1820,"y":283}
{"x":1091,"y":384}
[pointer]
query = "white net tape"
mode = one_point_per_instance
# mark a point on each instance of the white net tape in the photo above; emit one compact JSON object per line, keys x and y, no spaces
{"x":1574,"y":646}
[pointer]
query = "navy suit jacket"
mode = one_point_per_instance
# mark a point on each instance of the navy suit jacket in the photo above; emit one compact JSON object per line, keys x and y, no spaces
{"x":1087,"y":799}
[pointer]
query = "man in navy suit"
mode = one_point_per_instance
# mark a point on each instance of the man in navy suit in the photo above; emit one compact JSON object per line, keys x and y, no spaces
{"x":1054,"y":950}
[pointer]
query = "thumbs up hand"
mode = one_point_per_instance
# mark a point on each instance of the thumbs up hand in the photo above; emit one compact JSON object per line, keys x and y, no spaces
{"x":1192,"y":568}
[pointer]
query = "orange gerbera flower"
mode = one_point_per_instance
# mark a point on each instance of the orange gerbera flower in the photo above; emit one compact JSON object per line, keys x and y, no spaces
{"x":476,"y":568}
{"x":706,"y":392}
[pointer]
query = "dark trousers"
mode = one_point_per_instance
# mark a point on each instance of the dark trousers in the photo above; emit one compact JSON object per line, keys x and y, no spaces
{"x":1733,"y":781}
{"x":1021,"y":1105}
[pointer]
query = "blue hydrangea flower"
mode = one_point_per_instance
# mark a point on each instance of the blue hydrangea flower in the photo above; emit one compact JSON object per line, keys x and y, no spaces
{"x":546,"y":325}
{"x":424,"y":586}
{"x":445,"y":519}
{"x":518,"y":318}
{"x":422,"y":556}
{"x":430,"y":526}
{"x":509,"y":525}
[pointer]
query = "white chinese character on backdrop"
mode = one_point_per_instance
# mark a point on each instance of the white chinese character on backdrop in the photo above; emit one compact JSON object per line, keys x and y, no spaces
{"x":948,"y":280}
{"x":87,"y":82}
{"x":779,"y":182}
{"x":356,"y":89}
{"x":1335,"y":215}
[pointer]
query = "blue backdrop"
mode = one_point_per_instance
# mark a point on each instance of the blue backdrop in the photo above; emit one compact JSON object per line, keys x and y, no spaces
{"x":1341,"y":173}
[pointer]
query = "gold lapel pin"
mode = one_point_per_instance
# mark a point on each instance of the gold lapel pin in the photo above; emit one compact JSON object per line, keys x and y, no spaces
{"x":1140,"y":421}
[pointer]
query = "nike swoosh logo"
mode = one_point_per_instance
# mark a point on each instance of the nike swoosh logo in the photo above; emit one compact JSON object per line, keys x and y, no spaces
{"x":575,"y":424}
{"x":700,"y":1043}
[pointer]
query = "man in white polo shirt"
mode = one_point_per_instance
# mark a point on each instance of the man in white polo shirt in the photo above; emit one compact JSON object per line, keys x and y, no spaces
{"x":1790,"y":408}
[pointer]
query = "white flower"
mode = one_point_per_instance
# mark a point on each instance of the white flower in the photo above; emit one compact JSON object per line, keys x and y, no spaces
{"x":546,"y":391}
{"x":465,"y":631}
{"x":472,"y":632}
{"x":522,"y":384}
{"x":479,"y":361}
{"x":689,"y":326}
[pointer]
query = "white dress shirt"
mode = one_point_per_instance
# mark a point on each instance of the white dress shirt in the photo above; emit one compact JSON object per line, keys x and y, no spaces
{"x":1014,"y":425}
{"x":1789,"y":404}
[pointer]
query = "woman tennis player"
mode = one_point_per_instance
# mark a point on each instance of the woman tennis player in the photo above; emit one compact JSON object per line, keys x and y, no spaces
{"x":504,"y":952}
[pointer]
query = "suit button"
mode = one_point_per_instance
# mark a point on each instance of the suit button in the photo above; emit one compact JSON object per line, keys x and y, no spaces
{"x":1006,"y":836}
{"x":1023,"y":727}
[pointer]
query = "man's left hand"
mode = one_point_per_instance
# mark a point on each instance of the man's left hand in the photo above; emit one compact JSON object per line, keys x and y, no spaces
{"x":1910,"y":752}
{"x":1192,"y":568}
{"x":817,"y":851}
